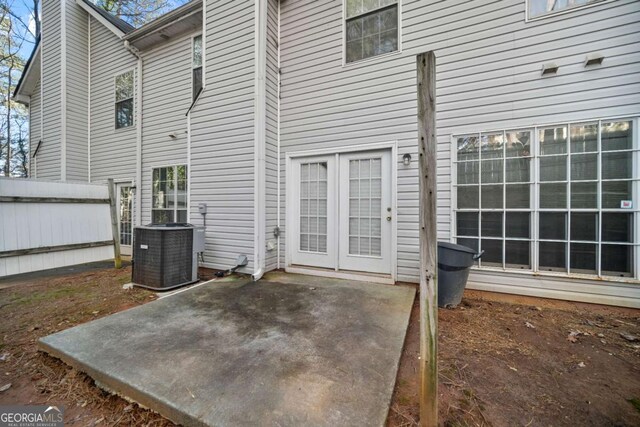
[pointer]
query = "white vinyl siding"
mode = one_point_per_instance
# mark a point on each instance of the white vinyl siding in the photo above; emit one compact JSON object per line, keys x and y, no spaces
{"x":488,"y":77}
{"x":164,"y":124}
{"x":113,"y":152}
{"x":49,"y":156}
{"x":222,"y":135}
{"x":76,"y":63}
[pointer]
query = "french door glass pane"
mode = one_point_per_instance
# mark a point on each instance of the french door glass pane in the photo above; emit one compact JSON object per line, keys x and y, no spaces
{"x":553,"y":225}
{"x":584,"y":138}
{"x":618,"y":165}
{"x":492,"y":196}
{"x":553,"y":168}
{"x":467,"y":223}
{"x":492,"y":252}
{"x":617,"y":136}
{"x":617,"y":227}
{"x":517,"y":254}
{"x":491,"y":224}
{"x":365,"y":206}
{"x":584,"y":195}
{"x":584,"y":226}
{"x":614,"y":192}
{"x":553,"y":196}
{"x":553,"y":256}
{"x":313,"y":207}
{"x":468,"y":197}
{"x":518,"y":196}
{"x":518,"y":225}
{"x":553,"y":140}
{"x":617,"y":260}
{"x":583,"y":258}
{"x":125,"y":215}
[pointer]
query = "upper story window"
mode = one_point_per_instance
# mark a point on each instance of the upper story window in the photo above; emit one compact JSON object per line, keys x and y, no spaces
{"x":371,"y":28}
{"x":124,"y":100}
{"x":547,"y":7}
{"x":197,"y":66}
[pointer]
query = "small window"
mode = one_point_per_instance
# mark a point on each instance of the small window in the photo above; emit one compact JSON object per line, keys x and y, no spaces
{"x":124,"y":100}
{"x":547,"y":7}
{"x":169,"y":194}
{"x":197,"y":66}
{"x":371,"y":28}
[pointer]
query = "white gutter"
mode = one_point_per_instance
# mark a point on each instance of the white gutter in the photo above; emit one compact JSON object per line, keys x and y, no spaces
{"x":259,"y":137}
{"x":138,"y":107}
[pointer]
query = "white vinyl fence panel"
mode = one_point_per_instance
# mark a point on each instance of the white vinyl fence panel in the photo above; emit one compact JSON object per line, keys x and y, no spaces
{"x":47,"y":224}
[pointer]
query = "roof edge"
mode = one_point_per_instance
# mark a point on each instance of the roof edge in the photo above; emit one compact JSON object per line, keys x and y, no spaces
{"x":25,"y":74}
{"x":117,"y":26}
{"x":164,"y":20}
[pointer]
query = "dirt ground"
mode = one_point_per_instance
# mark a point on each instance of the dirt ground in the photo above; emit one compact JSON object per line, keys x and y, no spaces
{"x":503,"y":360}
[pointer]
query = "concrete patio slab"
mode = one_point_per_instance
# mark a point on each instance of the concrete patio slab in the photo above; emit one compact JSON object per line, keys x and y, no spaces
{"x":287,"y":350}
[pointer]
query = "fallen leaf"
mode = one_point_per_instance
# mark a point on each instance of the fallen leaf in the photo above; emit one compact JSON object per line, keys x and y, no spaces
{"x":529,"y":325}
{"x":628,"y":337}
{"x":5,"y":387}
{"x":581,"y":365}
{"x":512,"y":368}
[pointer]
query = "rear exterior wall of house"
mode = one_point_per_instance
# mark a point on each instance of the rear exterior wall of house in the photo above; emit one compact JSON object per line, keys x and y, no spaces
{"x":489,"y":60}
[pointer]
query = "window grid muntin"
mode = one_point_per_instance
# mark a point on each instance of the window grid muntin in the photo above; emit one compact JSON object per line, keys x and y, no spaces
{"x":124,"y":99}
{"x":534,"y":190}
{"x":320,"y":235}
{"x":175,"y":212}
{"x":373,"y":215}
{"x":384,"y":5}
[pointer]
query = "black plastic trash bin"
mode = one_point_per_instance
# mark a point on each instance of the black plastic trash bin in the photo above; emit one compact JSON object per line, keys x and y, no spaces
{"x":454,"y":262}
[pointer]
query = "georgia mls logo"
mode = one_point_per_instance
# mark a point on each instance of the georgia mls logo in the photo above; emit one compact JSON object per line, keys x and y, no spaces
{"x":31,"y":416}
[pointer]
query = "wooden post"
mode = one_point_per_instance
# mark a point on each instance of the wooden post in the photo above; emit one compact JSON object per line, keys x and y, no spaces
{"x":117,"y":259}
{"x":427,"y":147}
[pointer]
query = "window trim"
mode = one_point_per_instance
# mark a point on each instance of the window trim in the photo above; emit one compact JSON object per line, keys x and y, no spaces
{"x":195,"y":95}
{"x":559,"y":12}
{"x":534,"y":208}
{"x":116,"y":102}
{"x":375,"y":57}
{"x":188,"y":191}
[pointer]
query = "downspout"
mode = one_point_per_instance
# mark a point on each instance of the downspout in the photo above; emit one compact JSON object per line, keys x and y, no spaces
{"x":138,"y":209}
{"x":89,"y":98}
{"x":278,"y":147}
{"x":63,"y":91}
{"x":260,"y":107}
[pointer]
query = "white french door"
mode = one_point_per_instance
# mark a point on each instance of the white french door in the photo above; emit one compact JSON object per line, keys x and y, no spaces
{"x":342,"y":211}
{"x":125,"y":217}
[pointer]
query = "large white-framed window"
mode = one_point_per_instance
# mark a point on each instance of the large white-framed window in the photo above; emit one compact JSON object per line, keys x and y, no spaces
{"x":560,"y":198}
{"x":540,"y":8}
{"x":371,"y":28}
{"x":124,"y":104}
{"x":196,"y":66}
{"x":169,"y":194}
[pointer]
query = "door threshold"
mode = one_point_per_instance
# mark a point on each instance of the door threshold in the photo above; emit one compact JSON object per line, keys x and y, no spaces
{"x":361,"y":276}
